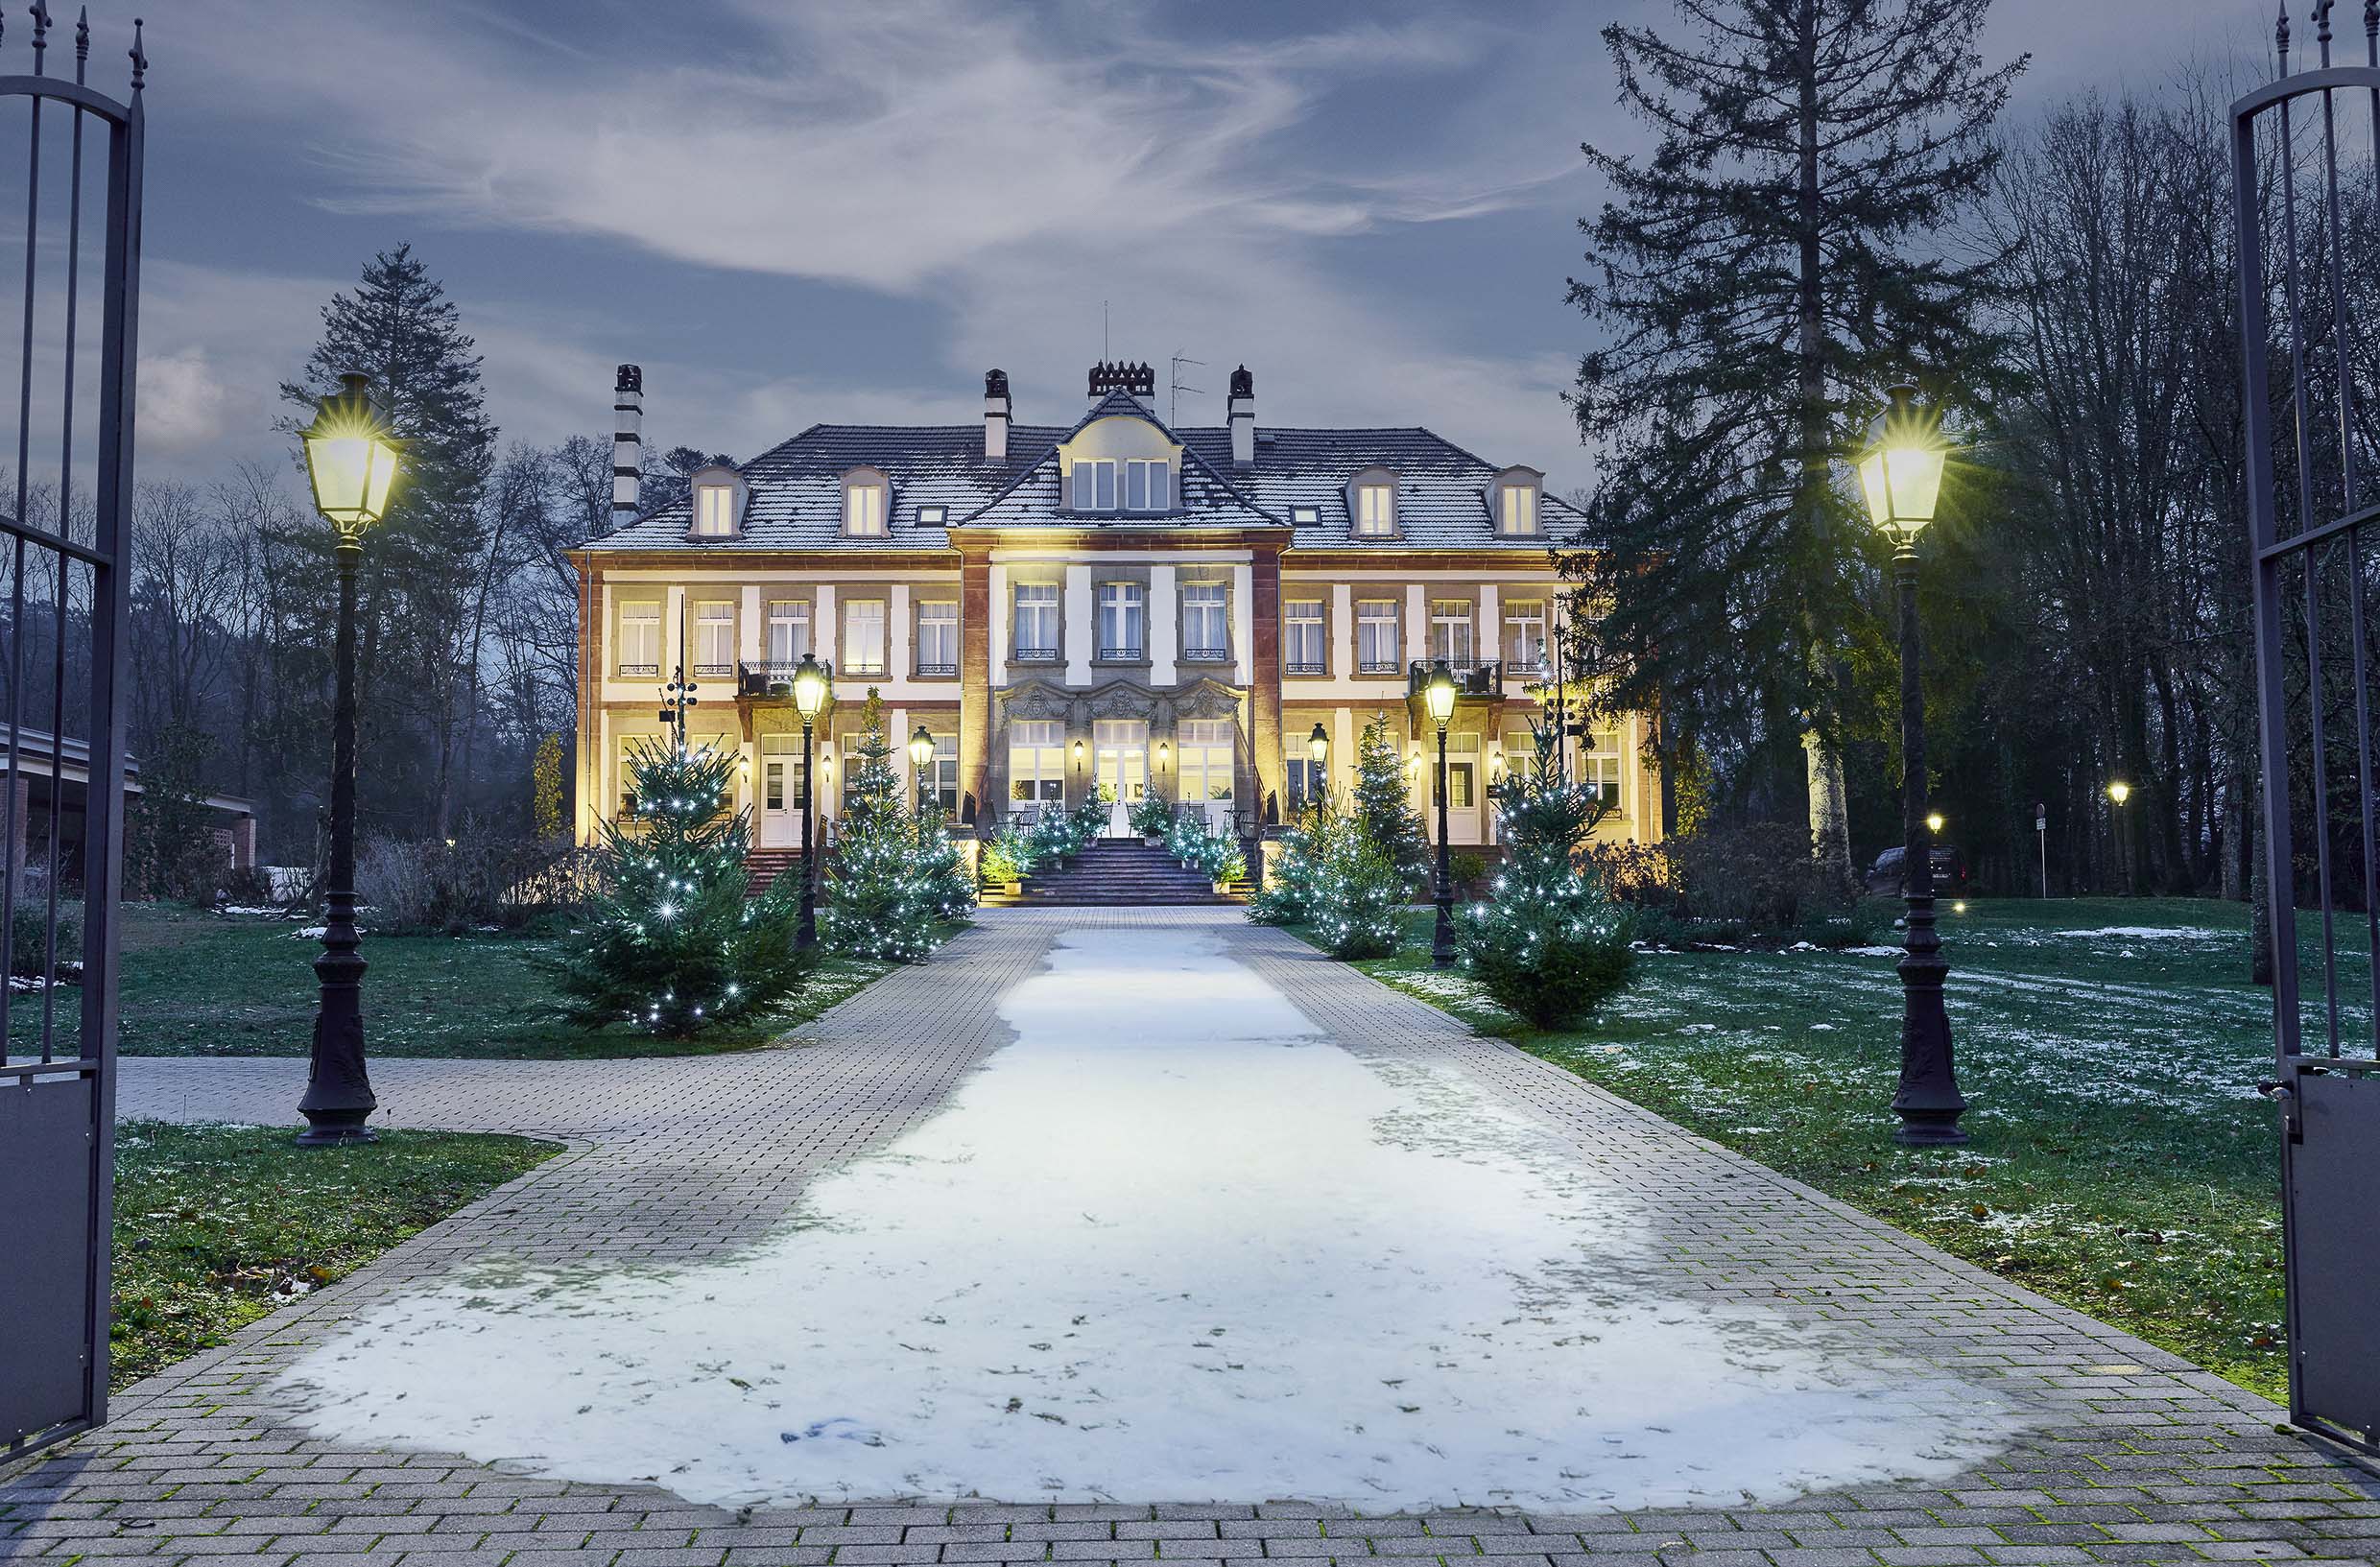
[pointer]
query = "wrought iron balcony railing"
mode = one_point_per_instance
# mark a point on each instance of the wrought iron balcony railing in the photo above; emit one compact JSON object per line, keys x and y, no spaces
{"x":1034,"y":655}
{"x":631,"y":671}
{"x":1304,"y":666}
{"x":1473,"y":677}
{"x":936,"y":672}
{"x":1378,"y":666}
{"x":1121,"y":655}
{"x":774,"y":678}
{"x":1206,"y":655}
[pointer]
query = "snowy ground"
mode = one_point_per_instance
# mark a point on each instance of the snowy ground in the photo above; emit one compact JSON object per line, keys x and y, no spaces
{"x":1171,"y":1244}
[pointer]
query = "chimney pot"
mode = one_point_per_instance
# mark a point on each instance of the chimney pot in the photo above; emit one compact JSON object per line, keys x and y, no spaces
{"x":996,"y":410}
{"x":1242,"y":409}
{"x":627,"y":421}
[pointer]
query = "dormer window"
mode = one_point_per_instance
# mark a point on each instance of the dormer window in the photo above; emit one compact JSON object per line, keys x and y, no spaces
{"x":1094,"y":487}
{"x":1131,"y":485}
{"x":1514,"y":495}
{"x":864,"y":507}
{"x":1148,"y":486}
{"x":718,"y":495}
{"x":1371,"y":501}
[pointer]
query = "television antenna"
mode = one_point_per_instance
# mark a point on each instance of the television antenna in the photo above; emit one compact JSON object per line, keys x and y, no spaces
{"x":1173,"y":402}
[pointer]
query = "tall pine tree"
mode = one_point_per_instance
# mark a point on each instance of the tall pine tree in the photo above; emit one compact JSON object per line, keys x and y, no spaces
{"x":1384,"y":805}
{"x":1785,"y":250}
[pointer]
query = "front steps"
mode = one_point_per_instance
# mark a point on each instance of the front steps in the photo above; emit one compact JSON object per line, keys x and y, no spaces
{"x":763,"y":866}
{"x":1116,"y":872}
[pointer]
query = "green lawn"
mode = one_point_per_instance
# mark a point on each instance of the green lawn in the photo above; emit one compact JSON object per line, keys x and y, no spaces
{"x":196,"y":984}
{"x":2122,"y":1161}
{"x":217,"y":1226}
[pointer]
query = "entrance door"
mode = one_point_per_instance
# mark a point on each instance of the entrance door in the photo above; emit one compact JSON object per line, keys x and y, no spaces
{"x":1120,"y":759}
{"x":780,"y":802}
{"x":1463,"y":813}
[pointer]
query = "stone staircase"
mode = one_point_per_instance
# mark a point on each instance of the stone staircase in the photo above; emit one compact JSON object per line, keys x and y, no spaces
{"x":1116,"y":872}
{"x":763,"y":866}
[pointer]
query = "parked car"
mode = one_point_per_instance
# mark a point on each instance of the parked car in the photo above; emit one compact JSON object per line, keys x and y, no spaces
{"x":1886,"y":875}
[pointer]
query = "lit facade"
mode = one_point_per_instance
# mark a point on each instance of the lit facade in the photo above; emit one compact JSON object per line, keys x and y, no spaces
{"x":1107,"y":602}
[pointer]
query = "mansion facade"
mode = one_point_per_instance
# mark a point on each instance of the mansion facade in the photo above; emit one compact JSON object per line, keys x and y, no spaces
{"x":1107,"y":602}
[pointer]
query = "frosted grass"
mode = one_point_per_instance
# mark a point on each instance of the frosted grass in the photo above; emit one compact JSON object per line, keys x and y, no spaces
{"x":1169,"y":1245}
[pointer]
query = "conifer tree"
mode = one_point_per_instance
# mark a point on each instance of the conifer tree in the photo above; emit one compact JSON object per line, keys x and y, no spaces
{"x":1384,"y":809}
{"x":1784,"y":251}
{"x":1547,"y":944}
{"x":673,"y":945}
{"x":885,"y":898}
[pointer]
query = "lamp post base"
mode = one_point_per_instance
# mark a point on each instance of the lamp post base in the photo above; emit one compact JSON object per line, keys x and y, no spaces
{"x":332,"y":1129}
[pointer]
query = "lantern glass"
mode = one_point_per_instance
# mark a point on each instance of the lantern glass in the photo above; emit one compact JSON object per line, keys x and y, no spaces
{"x":1901,"y":471}
{"x":920,"y":748}
{"x":811,"y":683}
{"x":352,"y":459}
{"x":1318,"y":746}
{"x":1440,"y":692}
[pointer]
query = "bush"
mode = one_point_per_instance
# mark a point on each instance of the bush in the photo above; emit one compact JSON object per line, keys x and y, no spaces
{"x":1007,"y":855}
{"x":1150,"y":817}
{"x":476,"y":882}
{"x":1752,"y":881}
{"x":1214,"y":853}
{"x":29,"y":938}
{"x":1548,"y":945}
{"x":1287,"y":895}
{"x":1359,"y":890}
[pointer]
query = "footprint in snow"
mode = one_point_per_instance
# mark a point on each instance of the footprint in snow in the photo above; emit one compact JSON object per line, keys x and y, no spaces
{"x":841,"y":1428}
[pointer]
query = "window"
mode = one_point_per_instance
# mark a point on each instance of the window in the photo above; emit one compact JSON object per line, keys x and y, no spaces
{"x":934,"y":516}
{"x":1148,"y":486}
{"x":640,"y":637}
{"x":1305,"y":515}
{"x":1519,"y":512}
{"x":937,"y":637}
{"x":1600,"y":770}
{"x":863,"y":508}
{"x":941,"y":778}
{"x":1303,"y":779}
{"x":1119,"y":620}
{"x":1206,"y":747}
{"x":1095,"y":487}
{"x":1520,"y":753}
{"x":1462,"y":772}
{"x":1375,"y":636}
{"x":1375,"y":509}
{"x":863,"y":637}
{"x":714,"y":511}
{"x":788,"y":630}
{"x":1036,"y":623}
{"x":1037,"y":761}
{"x":1302,"y":635}
{"x":1450,"y":630}
{"x":714,"y":637}
{"x":1524,"y":633}
{"x":1206,"y":636}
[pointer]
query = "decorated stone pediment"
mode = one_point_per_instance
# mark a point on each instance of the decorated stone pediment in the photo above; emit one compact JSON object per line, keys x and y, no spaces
{"x":1035,"y":699}
{"x":1123,"y":699}
{"x":1208,"y":699}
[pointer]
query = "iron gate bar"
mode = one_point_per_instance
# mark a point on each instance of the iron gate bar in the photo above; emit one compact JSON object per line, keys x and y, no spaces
{"x":2330,"y":1389}
{"x":59,"y":1110}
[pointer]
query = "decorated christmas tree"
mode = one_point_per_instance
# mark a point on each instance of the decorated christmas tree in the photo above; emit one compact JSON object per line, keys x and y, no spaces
{"x":1385,"y":808}
{"x":887,"y":896}
{"x":1356,"y":890}
{"x":1547,"y":944}
{"x":673,"y":945}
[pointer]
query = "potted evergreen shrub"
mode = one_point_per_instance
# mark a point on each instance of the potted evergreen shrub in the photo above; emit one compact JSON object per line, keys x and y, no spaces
{"x":1150,"y":818}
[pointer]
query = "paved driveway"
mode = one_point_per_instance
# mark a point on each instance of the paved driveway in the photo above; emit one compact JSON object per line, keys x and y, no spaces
{"x":2088,"y":1444}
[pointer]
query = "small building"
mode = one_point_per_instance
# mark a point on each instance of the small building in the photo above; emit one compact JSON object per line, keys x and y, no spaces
{"x":47,"y":769}
{"x":1105,"y":602}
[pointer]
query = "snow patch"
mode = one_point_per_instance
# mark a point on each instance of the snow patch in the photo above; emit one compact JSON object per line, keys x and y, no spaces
{"x":2151,"y":933}
{"x":1169,"y":1245}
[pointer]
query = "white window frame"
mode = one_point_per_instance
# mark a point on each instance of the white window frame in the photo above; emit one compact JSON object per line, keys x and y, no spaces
{"x":864,"y":508}
{"x":1202,"y":602}
{"x":1094,"y":484}
{"x":1209,"y":748}
{"x":714,"y":637}
{"x":1147,"y":485}
{"x":1304,"y":649}
{"x":1037,"y":761}
{"x":788,"y":630}
{"x":1378,"y":622}
{"x":1039,"y":601}
{"x":863,"y":637}
{"x":640,"y":634}
{"x":714,"y":511}
{"x":936,"y":648}
{"x":1123,"y":624}
{"x":1375,"y":509}
{"x":1452,"y":633}
{"x":1517,"y":516}
{"x":941,"y":774}
{"x":1602,"y":767}
{"x":1524,"y":633}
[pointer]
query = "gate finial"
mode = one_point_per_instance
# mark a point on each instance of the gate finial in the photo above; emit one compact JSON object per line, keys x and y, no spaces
{"x":40,"y":13}
{"x":2321,"y":27}
{"x":140,"y":57}
{"x":82,"y":43}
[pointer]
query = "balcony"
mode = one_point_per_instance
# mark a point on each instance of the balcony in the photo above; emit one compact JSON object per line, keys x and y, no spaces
{"x":1387,"y":668}
{"x":1473,"y":677}
{"x":1206,"y":655}
{"x":1034,"y":656}
{"x":771,"y":679}
{"x":936,"y":670}
{"x":1304,"y":666}
{"x":639,"y":672}
{"x":1122,"y":655}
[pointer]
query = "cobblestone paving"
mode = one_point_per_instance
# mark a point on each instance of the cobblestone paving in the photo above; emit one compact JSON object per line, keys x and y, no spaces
{"x":2138,"y":1457}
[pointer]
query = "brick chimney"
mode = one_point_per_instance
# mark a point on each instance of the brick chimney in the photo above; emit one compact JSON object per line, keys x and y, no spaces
{"x":627,"y":434}
{"x":1243,"y":411}
{"x":997,"y":412}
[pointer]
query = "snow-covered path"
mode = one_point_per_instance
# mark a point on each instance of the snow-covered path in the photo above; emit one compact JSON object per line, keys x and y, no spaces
{"x":1173,"y":1242}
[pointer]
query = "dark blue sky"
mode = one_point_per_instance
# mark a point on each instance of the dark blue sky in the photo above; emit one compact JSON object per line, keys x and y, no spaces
{"x":797,"y":211}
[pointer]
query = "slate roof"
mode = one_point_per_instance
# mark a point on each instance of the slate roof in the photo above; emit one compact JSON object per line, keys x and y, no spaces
{"x":796,"y":497}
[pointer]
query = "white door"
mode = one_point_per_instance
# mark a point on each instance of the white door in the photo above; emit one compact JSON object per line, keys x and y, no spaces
{"x":780,"y":803}
{"x":1120,"y":761}
{"x":1207,"y":754}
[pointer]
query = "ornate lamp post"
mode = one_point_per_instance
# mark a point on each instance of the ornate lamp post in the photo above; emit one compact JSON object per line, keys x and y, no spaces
{"x":2118,"y":793}
{"x":1901,"y":472}
{"x":1318,"y":748}
{"x":814,"y":683}
{"x":1439,"y":694}
{"x":921,"y":757}
{"x":351,"y":463}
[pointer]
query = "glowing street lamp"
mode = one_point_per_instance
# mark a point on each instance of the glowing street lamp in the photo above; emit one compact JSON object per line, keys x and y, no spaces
{"x":1901,"y":475}
{"x":1318,"y":746}
{"x":2119,"y":791}
{"x":1439,"y":694}
{"x":814,"y":683}
{"x":351,"y":463}
{"x":921,"y":757}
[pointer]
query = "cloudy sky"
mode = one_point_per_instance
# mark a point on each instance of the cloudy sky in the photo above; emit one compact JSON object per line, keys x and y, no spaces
{"x":794,"y":210}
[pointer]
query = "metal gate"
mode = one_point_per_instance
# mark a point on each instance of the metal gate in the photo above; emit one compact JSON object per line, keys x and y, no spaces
{"x":63,"y":544}
{"x":2309,"y":238}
